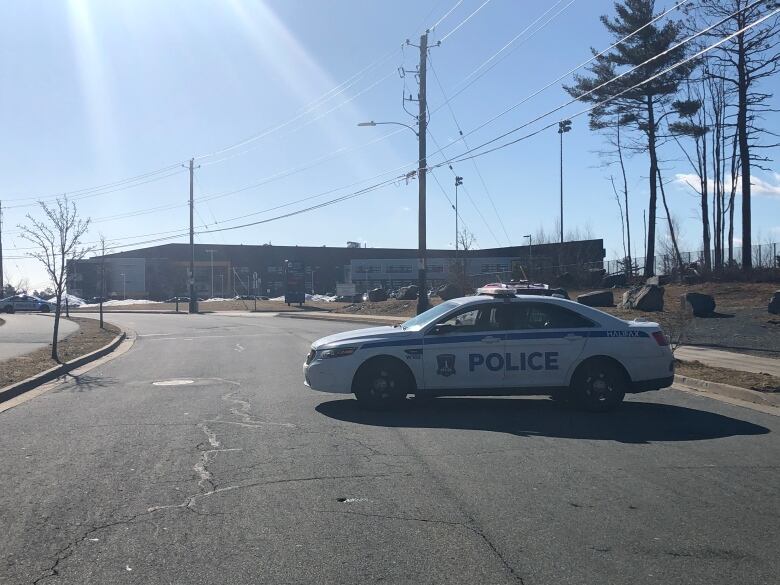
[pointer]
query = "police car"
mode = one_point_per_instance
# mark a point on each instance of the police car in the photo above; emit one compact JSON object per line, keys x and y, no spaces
{"x":496,"y":343}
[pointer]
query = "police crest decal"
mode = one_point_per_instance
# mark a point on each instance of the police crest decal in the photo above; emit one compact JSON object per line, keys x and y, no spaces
{"x":446,"y":364}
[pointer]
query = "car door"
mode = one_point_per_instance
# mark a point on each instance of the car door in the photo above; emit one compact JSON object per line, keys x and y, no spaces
{"x":544,"y":344}
{"x":465,"y":349}
{"x":26,"y":303}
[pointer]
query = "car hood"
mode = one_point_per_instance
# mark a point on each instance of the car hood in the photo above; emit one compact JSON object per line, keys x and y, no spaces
{"x":361,"y":336}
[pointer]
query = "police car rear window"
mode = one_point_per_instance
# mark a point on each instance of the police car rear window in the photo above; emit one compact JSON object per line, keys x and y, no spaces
{"x":546,"y":316}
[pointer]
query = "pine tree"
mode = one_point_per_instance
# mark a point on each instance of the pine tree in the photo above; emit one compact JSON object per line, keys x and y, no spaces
{"x":643,"y":107}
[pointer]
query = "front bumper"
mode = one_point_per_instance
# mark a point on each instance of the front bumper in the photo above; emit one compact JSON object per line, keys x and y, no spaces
{"x":332,"y":375}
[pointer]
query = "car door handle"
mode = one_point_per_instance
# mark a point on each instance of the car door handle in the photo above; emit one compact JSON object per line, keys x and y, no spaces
{"x":491,"y":339}
{"x":571,"y":337}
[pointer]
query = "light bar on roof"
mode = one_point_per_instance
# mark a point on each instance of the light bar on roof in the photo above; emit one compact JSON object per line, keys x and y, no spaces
{"x":497,"y":289}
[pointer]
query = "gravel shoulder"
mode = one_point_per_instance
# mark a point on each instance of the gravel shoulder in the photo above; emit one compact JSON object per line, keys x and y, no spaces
{"x":88,"y":338}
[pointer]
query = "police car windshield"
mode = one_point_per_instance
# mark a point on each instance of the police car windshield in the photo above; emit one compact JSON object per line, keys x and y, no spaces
{"x":429,"y":316}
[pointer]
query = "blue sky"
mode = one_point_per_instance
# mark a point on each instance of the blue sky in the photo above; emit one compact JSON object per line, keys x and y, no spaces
{"x":96,"y":91}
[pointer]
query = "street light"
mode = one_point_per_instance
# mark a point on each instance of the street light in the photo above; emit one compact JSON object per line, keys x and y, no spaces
{"x":372,"y":123}
{"x":530,"y":257}
{"x":458,"y":183}
{"x":564,"y":126}
{"x":422,"y":164}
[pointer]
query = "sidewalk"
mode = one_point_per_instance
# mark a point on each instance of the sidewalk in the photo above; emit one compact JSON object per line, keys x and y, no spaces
{"x":730,"y":360}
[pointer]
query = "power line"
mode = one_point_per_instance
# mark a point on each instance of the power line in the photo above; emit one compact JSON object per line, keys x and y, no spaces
{"x":438,"y":22}
{"x":558,"y":79}
{"x":590,"y":91}
{"x":464,"y":21}
{"x":476,"y":168}
{"x":468,"y":154}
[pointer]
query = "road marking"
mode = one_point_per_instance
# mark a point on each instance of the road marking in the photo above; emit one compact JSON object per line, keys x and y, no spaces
{"x":173,"y":382}
{"x":239,"y":347}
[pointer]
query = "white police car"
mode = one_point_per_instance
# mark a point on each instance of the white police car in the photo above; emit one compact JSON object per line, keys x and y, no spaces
{"x":496,"y":343}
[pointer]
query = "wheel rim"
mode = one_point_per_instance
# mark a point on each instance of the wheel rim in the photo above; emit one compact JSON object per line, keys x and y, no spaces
{"x":382,"y":386}
{"x":599,"y":387}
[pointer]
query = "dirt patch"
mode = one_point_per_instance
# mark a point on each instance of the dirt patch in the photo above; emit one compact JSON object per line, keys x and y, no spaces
{"x":389,"y":308}
{"x":749,"y":380}
{"x":88,"y":338}
{"x":2,"y":321}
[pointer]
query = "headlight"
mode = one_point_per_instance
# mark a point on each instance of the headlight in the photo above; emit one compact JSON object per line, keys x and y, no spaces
{"x":337,"y":352}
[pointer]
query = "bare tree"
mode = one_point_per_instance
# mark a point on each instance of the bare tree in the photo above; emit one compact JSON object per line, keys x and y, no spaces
{"x":102,"y":275}
{"x":58,"y":240}
{"x":747,"y":59}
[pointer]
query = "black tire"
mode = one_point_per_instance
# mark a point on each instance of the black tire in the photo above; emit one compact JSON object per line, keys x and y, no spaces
{"x":9,"y":309}
{"x":381,"y":386}
{"x":598,"y":386}
{"x":45,"y":309}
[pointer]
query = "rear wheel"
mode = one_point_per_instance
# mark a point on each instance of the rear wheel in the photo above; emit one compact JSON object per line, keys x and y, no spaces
{"x":9,"y":309}
{"x":381,"y":385}
{"x":599,"y":386}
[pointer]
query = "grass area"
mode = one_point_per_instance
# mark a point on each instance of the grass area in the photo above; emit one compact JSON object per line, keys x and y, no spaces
{"x":749,"y":380}
{"x":88,"y":338}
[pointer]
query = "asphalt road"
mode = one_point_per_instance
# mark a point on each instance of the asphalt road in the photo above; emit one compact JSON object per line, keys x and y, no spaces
{"x":246,"y":476}
{"x":26,"y":332}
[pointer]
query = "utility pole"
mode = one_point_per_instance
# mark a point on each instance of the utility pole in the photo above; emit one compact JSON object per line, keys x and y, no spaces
{"x":124,"y":286}
{"x":193,"y":298}
{"x":458,"y":182}
{"x":422,"y":121}
{"x":211,"y":253}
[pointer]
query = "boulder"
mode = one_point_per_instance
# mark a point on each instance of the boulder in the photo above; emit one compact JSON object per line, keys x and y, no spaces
{"x":774,"y":303}
{"x":612,"y":280}
{"x":644,"y":298}
{"x":598,"y":298}
{"x":450,"y":291}
{"x":407,"y":293}
{"x":377,"y":295}
{"x":699,"y":304}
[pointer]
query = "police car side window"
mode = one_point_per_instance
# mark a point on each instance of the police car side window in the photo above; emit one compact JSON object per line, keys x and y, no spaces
{"x":547,"y":316}
{"x":483,"y":318}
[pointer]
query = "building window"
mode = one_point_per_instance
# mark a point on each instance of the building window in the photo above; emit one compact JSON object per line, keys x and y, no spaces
{"x":367,"y":269}
{"x":490,"y":268}
{"x":399,"y":269}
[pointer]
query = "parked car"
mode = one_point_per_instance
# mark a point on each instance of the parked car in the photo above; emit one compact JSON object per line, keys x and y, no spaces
{"x":24,"y":303}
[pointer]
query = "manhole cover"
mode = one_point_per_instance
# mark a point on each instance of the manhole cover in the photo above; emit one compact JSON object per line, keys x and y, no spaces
{"x":173,"y":382}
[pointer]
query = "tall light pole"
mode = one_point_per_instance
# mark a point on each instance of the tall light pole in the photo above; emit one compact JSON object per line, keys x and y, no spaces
{"x":530,"y":256}
{"x":458,"y":183}
{"x":564,"y":126}
{"x":211,"y":253}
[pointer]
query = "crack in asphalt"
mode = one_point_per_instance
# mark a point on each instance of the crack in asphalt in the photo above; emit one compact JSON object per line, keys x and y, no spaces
{"x":470,"y":526}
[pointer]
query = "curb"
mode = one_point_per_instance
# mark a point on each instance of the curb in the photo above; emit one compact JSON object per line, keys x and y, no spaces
{"x":15,"y":390}
{"x":733,"y":392}
{"x":344,"y":318}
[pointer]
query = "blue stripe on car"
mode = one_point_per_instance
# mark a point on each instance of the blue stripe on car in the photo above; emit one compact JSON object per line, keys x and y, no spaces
{"x":508,"y":336}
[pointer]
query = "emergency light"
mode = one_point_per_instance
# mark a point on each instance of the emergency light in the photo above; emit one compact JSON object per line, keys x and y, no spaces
{"x":497,"y":289}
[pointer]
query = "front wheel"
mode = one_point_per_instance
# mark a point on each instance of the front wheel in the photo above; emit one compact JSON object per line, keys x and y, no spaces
{"x":381,"y":386}
{"x":599,"y":387}
{"x":45,"y":309}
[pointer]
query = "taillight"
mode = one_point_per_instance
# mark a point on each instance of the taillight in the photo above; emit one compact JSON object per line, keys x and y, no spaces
{"x":660,"y":338}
